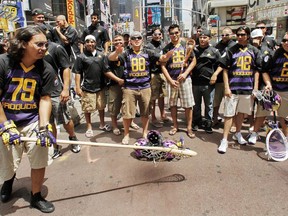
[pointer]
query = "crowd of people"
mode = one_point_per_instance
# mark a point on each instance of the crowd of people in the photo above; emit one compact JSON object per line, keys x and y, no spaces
{"x":35,"y":82}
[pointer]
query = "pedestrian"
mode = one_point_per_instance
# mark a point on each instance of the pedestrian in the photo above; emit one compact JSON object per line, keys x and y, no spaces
{"x":266,"y":55}
{"x":158,"y":80}
{"x":217,"y":78}
{"x":38,"y":18}
{"x":99,"y":32}
{"x":59,"y":60}
{"x":206,"y":58}
{"x":26,"y":83}
{"x":90,"y":83}
{"x":136,"y":81}
{"x":241,"y":65}
{"x":177,"y":73}
{"x":67,"y":36}
{"x":266,"y":41}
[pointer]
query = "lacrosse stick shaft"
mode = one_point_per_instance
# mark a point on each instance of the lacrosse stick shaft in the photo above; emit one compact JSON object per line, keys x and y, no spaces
{"x":186,"y":152}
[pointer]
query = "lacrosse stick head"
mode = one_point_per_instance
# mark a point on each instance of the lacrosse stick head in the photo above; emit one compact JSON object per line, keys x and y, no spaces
{"x":146,"y":153}
{"x":140,"y":142}
{"x":155,"y":138}
{"x":170,"y":144}
{"x":271,"y":100}
{"x":276,"y":145}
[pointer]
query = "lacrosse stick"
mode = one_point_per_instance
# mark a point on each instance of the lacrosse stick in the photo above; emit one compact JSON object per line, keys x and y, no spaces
{"x":190,"y":44}
{"x":276,"y":142}
{"x":172,"y":150}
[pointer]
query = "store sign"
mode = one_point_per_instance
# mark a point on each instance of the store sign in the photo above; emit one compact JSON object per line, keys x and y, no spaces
{"x":167,"y":9}
{"x":71,"y":12}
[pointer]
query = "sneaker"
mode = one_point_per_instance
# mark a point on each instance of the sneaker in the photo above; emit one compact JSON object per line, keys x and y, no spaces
{"x":38,"y":202}
{"x":253,"y":138}
{"x":239,"y":138}
{"x":208,"y":127}
{"x":75,"y":147}
{"x":223,"y":146}
{"x":195,"y":127}
{"x":137,"y":113}
{"x":57,"y":152}
{"x":6,"y":189}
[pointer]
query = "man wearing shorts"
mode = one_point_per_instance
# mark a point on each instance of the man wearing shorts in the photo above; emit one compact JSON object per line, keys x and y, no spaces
{"x":136,"y":81}
{"x":58,"y":58}
{"x":26,"y":83}
{"x":241,"y":65}
{"x":89,"y":70}
{"x":178,"y":76}
{"x":158,"y":81}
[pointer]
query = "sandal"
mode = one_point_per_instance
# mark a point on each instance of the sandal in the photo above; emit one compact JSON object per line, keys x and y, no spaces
{"x":125,"y":140}
{"x":173,"y":131}
{"x":106,"y":128}
{"x":116,"y":131}
{"x":89,"y":133}
{"x":190,"y":134}
{"x":233,"y":129}
{"x":134,"y":126}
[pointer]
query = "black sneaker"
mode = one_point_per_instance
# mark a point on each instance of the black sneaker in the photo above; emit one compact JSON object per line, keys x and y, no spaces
{"x":195,"y":127}
{"x":137,"y":114}
{"x":208,"y":127}
{"x":6,"y":189}
{"x":38,"y":202}
{"x":57,"y":152}
{"x":74,"y":147}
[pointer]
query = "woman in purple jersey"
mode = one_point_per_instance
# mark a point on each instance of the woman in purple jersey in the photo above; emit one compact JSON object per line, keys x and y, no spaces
{"x":26,"y":82}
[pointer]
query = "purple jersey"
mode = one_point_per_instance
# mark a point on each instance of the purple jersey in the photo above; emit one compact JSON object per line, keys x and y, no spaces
{"x":175,"y":63}
{"x":137,"y":68}
{"x":241,"y":63}
{"x":279,"y":70}
{"x":22,"y":89}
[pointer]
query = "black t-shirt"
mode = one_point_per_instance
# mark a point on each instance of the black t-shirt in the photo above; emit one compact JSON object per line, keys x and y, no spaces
{"x":116,"y":68}
{"x":156,"y":46}
{"x":92,"y":69}
{"x":58,"y":58}
{"x":99,"y":32}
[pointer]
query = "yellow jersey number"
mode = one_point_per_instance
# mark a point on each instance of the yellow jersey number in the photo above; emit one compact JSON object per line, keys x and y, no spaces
{"x":244,"y":63}
{"x":284,"y":72}
{"x":138,"y":64}
{"x":28,"y":87}
{"x":178,"y":56}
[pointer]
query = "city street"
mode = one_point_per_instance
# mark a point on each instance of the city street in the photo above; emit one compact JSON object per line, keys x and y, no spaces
{"x":109,"y":181}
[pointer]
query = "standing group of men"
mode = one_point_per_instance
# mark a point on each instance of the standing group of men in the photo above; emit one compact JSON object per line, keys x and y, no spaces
{"x":134,"y":74}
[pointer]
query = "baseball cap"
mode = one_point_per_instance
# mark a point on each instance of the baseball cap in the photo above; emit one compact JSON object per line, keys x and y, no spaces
{"x":37,"y":11}
{"x":125,"y":33}
{"x":136,"y":34}
{"x":205,"y":33}
{"x":90,"y":37}
{"x":256,"y":33}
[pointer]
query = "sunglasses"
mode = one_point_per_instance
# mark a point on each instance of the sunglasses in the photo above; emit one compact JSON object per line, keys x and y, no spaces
{"x":174,"y":33}
{"x":157,"y":34}
{"x":284,"y":40}
{"x":261,"y":27}
{"x":136,"y":38}
{"x":242,"y":35}
{"x":42,"y":44}
{"x":225,"y":35}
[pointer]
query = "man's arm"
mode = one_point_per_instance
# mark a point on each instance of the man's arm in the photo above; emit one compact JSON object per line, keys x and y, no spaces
{"x":215,"y":75}
{"x":188,"y":70}
{"x":62,"y":37}
{"x":172,"y":82}
{"x":227,"y":90}
{"x":113,"y":77}
{"x":45,"y":106}
{"x":64,"y":96}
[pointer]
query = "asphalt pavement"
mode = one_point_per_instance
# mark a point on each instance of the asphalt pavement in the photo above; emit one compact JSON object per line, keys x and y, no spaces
{"x":112,"y":182}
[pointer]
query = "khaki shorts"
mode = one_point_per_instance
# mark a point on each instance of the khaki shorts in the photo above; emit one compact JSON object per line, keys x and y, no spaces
{"x":158,"y":86}
{"x":115,"y":100}
{"x":130,"y":98}
{"x":10,"y":156}
{"x":283,"y":111}
{"x":261,"y":112}
{"x":93,"y":101}
{"x":238,"y":104}
{"x":219,"y":94}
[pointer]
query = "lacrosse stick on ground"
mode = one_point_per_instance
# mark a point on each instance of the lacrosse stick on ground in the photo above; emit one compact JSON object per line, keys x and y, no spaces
{"x":276,"y":142}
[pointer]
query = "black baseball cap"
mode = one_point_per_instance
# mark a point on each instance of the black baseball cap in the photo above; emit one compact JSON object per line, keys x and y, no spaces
{"x":37,"y":11}
{"x":205,"y":33}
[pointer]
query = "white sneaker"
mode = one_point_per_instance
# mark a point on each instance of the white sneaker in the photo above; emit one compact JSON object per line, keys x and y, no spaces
{"x":238,"y":136}
{"x":253,"y":138}
{"x":223,"y":146}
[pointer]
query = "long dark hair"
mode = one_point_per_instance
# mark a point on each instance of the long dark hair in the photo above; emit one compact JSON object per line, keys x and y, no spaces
{"x":23,"y":35}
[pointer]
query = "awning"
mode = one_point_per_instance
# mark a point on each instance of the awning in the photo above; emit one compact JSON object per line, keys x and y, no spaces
{"x":227,"y":3}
